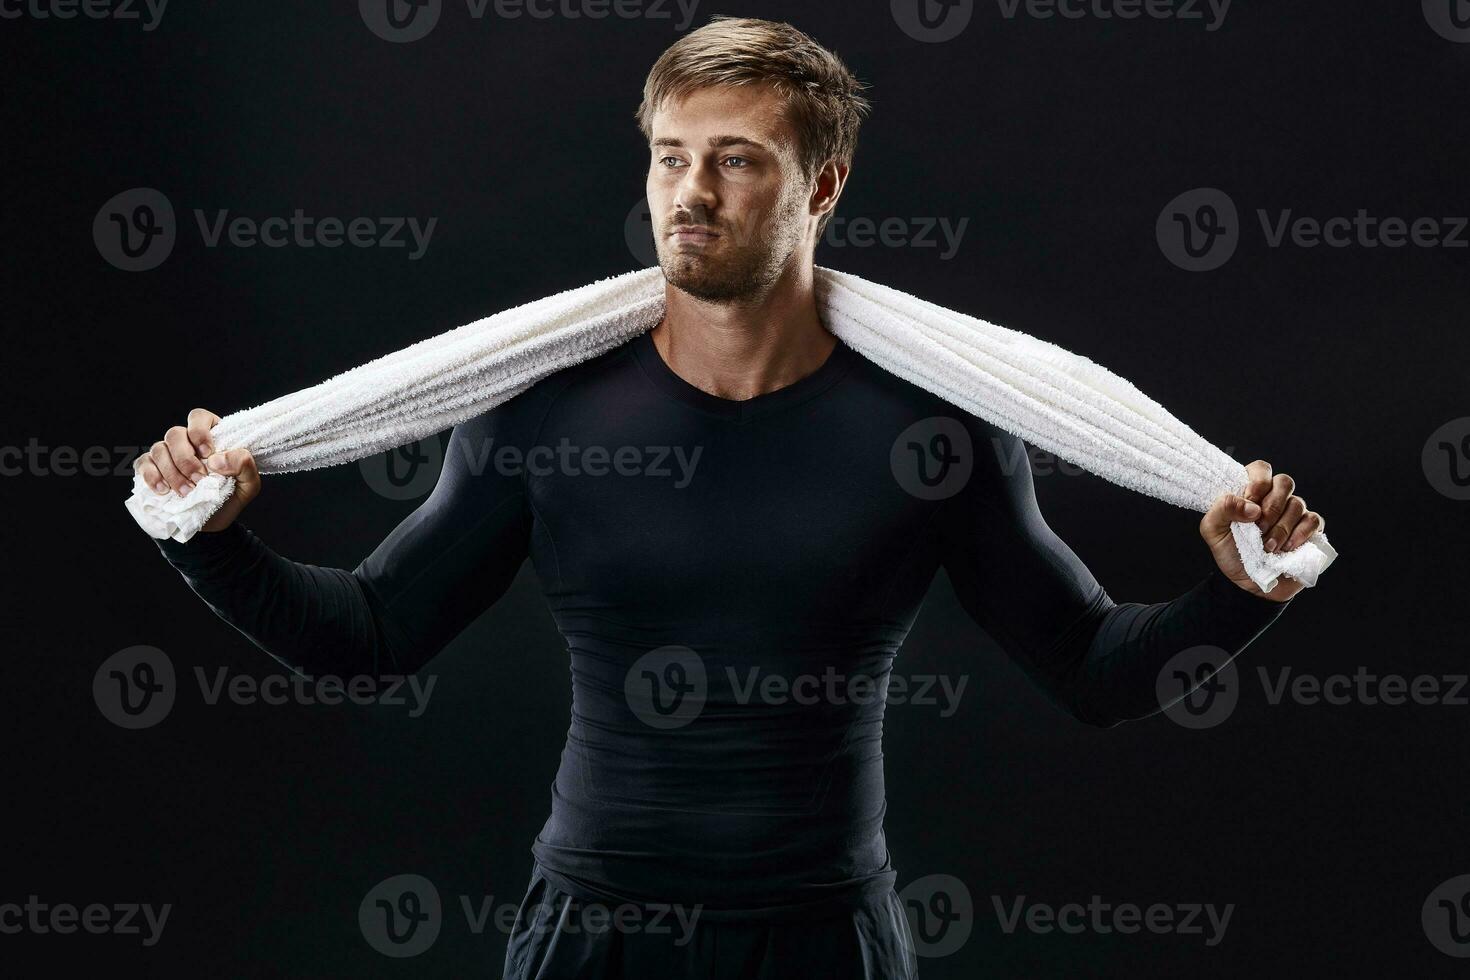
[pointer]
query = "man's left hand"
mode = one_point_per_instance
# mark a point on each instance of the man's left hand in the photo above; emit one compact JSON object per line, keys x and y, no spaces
{"x":1269,"y":502}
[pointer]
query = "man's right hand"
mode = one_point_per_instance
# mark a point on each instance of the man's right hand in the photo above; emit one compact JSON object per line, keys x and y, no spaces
{"x":184,"y":456}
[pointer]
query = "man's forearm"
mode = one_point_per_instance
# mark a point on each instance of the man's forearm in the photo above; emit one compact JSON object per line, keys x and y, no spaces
{"x":316,"y":621}
{"x":1117,"y":678}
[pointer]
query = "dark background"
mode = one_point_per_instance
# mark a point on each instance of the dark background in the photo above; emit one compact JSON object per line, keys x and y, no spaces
{"x":1059,"y":140}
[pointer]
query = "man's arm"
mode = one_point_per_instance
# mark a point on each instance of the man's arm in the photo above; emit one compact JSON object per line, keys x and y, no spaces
{"x":431,"y":577}
{"x":1098,"y":659}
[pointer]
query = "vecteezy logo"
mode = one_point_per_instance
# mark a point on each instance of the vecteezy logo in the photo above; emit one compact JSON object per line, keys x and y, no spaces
{"x":932,"y":21}
{"x":134,"y":688}
{"x":1199,"y":229}
{"x":401,"y":916}
{"x":940,"y":914}
{"x":1450,"y":19}
{"x":135,"y":230}
{"x":1198,"y":687}
{"x":1446,"y":459}
{"x":400,"y":21}
{"x":638,"y":233}
{"x":666,"y":688}
{"x":1446,"y":917}
{"x":933,"y":458}
{"x":405,"y":473}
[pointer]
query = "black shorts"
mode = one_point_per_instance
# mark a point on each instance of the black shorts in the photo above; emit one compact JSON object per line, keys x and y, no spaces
{"x":557,"y":936}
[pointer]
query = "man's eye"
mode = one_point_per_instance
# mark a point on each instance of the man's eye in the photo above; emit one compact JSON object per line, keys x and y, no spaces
{"x":665,"y":161}
{"x":743,"y":163}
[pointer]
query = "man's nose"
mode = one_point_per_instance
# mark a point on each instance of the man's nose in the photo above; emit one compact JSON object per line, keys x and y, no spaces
{"x":697,"y":190}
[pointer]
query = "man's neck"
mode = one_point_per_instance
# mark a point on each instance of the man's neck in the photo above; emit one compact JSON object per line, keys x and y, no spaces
{"x":748,"y":348}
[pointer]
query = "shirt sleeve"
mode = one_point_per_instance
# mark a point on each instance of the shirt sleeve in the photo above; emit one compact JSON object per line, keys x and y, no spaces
{"x":449,"y":560}
{"x":1097,"y":659}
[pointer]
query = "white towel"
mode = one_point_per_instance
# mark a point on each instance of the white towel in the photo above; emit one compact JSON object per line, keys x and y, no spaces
{"x":1055,"y":400}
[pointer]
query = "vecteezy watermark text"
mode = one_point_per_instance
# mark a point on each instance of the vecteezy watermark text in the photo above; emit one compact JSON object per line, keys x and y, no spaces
{"x":308,"y":232}
{"x":136,"y":688}
{"x":670,"y":686}
{"x":402,"y":916}
{"x":389,"y":690}
{"x":403,"y":21}
{"x":832,"y":687}
{"x":1102,"y":918}
{"x":136,"y":230}
{"x":411,"y":471}
{"x":934,"y":21}
{"x":1364,"y":687}
{"x":1200,"y":688}
{"x":63,"y":918}
{"x":36,"y":459}
{"x":942,"y":234}
{"x":122,"y":10}
{"x":1200,"y":229}
{"x":1210,"y":12}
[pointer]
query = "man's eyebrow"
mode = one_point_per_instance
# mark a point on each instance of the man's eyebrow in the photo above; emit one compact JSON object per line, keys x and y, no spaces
{"x":715,"y":142}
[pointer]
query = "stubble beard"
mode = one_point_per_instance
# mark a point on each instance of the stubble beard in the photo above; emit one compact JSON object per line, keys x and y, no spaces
{"x":744,"y":270}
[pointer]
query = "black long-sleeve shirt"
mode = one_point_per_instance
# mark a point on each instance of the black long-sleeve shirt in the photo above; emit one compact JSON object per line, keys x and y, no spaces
{"x":691,"y":548}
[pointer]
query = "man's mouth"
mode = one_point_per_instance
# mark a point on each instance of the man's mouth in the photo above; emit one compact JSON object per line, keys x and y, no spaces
{"x":693,"y":233}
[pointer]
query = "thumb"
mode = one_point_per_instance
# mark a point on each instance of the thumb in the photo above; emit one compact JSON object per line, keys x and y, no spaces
{"x":239,"y":464}
{"x":1227,"y":509}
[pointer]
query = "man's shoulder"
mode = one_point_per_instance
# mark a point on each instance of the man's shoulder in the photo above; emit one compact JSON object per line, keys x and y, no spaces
{"x":522,"y":411}
{"x":877,"y":385}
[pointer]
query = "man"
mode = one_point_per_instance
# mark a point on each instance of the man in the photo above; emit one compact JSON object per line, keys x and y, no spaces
{"x":797,"y":542}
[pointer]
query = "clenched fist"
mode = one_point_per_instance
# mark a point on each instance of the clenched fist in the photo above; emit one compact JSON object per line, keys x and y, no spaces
{"x":1271,"y":504}
{"x":184,"y":456}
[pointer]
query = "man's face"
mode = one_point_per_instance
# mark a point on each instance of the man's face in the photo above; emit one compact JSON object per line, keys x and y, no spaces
{"x":725,"y":191}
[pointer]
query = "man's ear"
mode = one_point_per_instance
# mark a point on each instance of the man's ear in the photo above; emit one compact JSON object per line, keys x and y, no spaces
{"x":827,"y":187}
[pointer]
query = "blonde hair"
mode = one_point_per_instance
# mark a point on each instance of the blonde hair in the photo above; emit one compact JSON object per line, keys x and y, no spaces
{"x":821,"y":97}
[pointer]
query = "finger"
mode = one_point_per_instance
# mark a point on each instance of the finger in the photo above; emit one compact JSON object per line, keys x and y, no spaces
{"x":1228,"y":508}
{"x":150,"y":474}
{"x":185,"y":456}
{"x":201,"y":422}
{"x":1258,"y":480}
{"x":1309,"y":525}
{"x":1276,"y":537}
{"x":1274,"y":505}
{"x":160,"y":456}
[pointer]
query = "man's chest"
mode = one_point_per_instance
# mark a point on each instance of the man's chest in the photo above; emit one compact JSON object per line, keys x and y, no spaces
{"x":794,"y":520}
